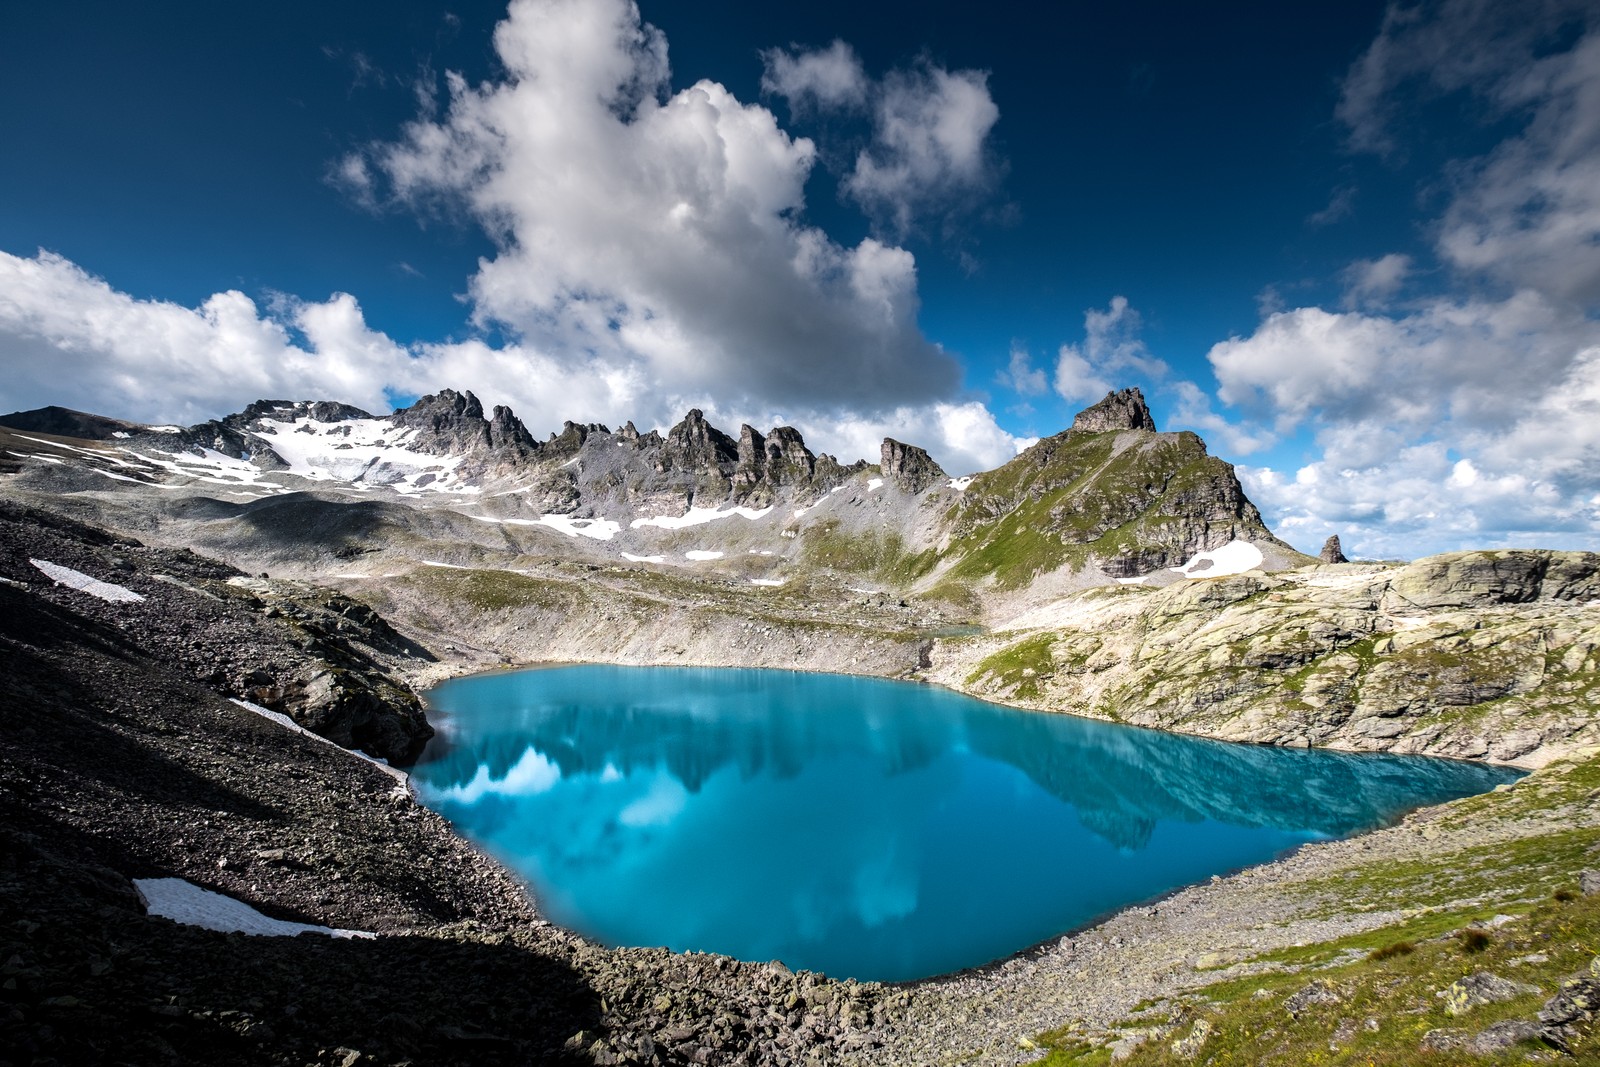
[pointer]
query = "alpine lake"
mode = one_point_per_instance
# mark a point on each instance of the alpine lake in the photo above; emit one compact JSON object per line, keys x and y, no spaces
{"x":865,"y":828}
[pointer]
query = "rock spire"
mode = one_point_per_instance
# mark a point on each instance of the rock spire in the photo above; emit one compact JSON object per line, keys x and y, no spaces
{"x":1124,"y":409}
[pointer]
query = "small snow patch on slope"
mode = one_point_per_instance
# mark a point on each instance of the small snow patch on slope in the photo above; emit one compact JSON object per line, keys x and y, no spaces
{"x":598,"y":529}
{"x":1235,"y":557}
{"x":960,"y":484}
{"x":702,"y":554}
{"x":874,"y":483}
{"x":631,"y":558}
{"x":774,"y":582}
{"x":289,"y":724}
{"x":72,"y":579}
{"x":184,"y":902}
{"x":697,"y":517}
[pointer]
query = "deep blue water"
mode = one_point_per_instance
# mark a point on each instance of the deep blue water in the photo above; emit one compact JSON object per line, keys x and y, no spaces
{"x":860,"y":827}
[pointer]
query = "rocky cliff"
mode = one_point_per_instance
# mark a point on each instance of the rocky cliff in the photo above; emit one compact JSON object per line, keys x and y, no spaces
{"x":1485,"y":655}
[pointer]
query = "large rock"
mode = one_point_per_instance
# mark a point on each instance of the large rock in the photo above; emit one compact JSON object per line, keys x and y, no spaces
{"x":1124,"y":409}
{"x":1332,"y":551}
{"x":1480,"y":579}
{"x":907,"y":466}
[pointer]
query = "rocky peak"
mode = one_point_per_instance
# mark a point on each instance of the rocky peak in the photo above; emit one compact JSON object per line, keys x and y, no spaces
{"x":1332,"y":551}
{"x":506,"y":429}
{"x":788,"y":459}
{"x":1124,"y":409}
{"x":452,"y":423}
{"x":695,"y":445}
{"x":289,"y":410}
{"x":907,"y":466}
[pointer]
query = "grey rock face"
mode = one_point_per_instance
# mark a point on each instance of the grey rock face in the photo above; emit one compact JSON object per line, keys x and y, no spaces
{"x":1124,"y":409}
{"x":449,"y":423}
{"x":696,"y":446}
{"x":1478,"y":579}
{"x":908,"y":467}
{"x":1332,"y":551}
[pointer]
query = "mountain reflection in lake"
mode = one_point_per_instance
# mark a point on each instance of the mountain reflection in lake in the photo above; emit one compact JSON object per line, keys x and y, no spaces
{"x":866,"y":828}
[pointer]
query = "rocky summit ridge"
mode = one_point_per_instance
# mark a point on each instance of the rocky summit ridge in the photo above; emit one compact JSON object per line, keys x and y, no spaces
{"x":1109,"y":498}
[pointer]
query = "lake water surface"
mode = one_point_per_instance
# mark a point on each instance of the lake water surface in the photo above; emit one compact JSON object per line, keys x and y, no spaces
{"x":861,"y":827}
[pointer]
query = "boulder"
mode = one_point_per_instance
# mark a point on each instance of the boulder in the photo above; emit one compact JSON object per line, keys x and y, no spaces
{"x":1481,"y":988}
{"x":1332,"y":551}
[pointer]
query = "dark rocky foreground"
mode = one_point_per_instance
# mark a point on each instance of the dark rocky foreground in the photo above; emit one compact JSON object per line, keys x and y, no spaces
{"x":124,"y":759}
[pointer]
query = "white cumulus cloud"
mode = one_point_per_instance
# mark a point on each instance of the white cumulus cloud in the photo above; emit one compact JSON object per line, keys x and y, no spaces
{"x":823,"y":78}
{"x":1111,"y":351}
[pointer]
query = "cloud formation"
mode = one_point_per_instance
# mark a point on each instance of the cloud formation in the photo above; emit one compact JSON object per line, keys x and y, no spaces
{"x":651,"y":256}
{"x":73,"y":339}
{"x":819,"y":78}
{"x":1471,"y":416}
{"x":660,"y":231}
{"x":929,"y":154}
{"x":1112,"y":351}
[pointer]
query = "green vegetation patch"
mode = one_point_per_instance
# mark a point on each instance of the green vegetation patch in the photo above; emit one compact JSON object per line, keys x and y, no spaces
{"x":1378,"y":1006}
{"x":879,"y":553}
{"x":1019,"y":667}
{"x":491,"y":591}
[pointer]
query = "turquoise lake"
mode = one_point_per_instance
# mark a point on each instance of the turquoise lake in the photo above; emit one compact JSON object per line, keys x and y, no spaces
{"x":862,"y":827}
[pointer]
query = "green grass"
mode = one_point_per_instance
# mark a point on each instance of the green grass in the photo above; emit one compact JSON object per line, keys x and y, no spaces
{"x":491,"y":591}
{"x":1398,"y":992}
{"x":1387,"y":980}
{"x":881,"y":554}
{"x":1019,"y":667}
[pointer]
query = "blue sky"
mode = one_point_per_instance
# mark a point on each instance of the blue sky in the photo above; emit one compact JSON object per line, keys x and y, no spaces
{"x":1355,"y":246}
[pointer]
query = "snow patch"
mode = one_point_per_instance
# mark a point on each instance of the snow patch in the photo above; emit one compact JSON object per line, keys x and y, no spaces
{"x":960,"y":484}
{"x":289,"y":724}
{"x":165,"y":429}
{"x":697,"y":517}
{"x":598,"y":529}
{"x":449,"y":566}
{"x":631,"y":558}
{"x":701,"y":554}
{"x":72,"y":579}
{"x":1140,"y":580}
{"x":120,"y":435}
{"x":874,"y":483}
{"x":767,"y":581}
{"x":362,"y":451}
{"x":186,"y":903}
{"x":1235,"y":557}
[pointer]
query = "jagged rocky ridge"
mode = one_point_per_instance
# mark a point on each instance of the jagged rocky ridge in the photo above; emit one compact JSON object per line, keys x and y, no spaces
{"x":1112,"y":496}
